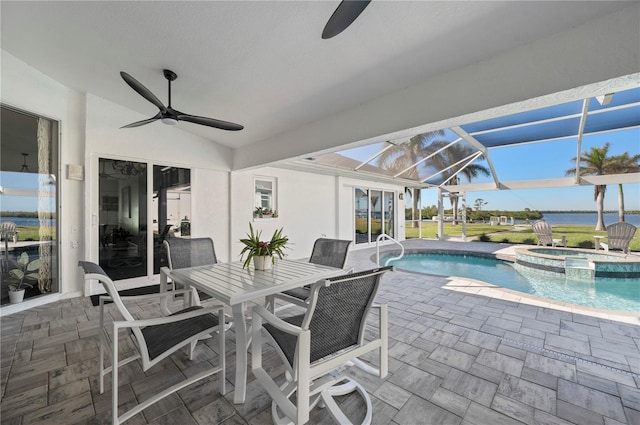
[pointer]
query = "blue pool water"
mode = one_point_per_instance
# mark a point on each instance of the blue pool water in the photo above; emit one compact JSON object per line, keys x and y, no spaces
{"x":605,"y":293}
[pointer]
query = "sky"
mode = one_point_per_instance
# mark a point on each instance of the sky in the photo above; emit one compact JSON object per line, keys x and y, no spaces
{"x":24,"y":181}
{"x":547,"y":160}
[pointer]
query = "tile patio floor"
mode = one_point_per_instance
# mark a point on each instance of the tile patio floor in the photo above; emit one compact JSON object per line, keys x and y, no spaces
{"x":458,"y":355}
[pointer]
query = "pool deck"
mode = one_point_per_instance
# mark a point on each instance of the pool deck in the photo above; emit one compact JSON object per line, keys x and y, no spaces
{"x":461,"y":353}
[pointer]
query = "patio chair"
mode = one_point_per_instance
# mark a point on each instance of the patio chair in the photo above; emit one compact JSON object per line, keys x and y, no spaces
{"x":189,"y":252}
{"x":8,"y":231}
{"x":326,"y":252}
{"x":619,"y":236}
{"x":542,"y":229}
{"x":318,"y":345}
{"x":154,"y":339}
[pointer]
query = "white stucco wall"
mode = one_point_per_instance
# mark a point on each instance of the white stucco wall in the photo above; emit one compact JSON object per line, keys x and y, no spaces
{"x":310,"y":206}
{"x":306,"y":206}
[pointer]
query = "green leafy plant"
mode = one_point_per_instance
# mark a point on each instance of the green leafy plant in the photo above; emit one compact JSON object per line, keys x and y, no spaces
{"x":26,"y":270}
{"x":255,"y":247}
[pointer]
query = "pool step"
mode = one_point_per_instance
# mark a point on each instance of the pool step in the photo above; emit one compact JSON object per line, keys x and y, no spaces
{"x":579,"y":268}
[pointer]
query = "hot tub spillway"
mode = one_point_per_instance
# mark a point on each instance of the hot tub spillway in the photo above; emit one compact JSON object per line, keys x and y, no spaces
{"x":579,"y":268}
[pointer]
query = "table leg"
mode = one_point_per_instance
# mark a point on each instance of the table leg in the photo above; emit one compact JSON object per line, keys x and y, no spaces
{"x":242,"y":339}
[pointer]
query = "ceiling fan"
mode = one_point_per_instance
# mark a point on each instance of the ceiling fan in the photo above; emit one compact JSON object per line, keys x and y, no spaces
{"x":167,"y":114}
{"x":344,"y":15}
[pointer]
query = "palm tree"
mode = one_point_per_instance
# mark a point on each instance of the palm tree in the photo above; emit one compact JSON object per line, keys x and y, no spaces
{"x":622,"y":164}
{"x":401,"y":157}
{"x":595,"y":163}
{"x":452,"y":155}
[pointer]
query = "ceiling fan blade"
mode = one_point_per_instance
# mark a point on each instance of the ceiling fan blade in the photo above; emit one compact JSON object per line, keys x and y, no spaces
{"x":143,"y":122}
{"x":142,"y":90}
{"x":344,"y":15}
{"x":211,"y":122}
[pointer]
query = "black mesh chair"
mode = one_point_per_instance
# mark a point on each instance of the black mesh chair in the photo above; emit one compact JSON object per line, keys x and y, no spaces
{"x":188,"y":252}
{"x":316,"y":346}
{"x":154,"y":339}
{"x":326,"y":252}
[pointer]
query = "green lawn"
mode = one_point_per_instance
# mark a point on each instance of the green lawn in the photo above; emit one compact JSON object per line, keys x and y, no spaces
{"x":577,"y":236}
{"x":32,"y":233}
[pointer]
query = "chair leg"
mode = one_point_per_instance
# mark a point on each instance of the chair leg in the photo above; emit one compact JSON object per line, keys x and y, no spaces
{"x":192,"y":348}
{"x":114,"y":377}
{"x":334,"y":409}
{"x":222,"y":354}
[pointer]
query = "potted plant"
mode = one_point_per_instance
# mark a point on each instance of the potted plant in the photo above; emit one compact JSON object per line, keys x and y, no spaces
{"x":262,"y":252}
{"x":25,"y":270}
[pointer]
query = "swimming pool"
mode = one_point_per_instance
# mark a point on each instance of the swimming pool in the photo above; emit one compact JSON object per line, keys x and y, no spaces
{"x":601,"y":292}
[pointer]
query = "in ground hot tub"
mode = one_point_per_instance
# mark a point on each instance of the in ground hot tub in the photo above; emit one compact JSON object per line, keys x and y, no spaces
{"x":579,"y":263}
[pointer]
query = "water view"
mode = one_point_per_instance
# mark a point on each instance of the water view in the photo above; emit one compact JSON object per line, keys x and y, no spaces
{"x":588,"y":218}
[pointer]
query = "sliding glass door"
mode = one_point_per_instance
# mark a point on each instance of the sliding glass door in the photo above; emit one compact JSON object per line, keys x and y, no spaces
{"x":374,"y":214}
{"x":134,"y":225}
{"x":123,"y":218}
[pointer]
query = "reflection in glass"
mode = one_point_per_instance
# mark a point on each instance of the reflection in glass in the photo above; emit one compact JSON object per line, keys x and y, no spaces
{"x":362,"y":216}
{"x":170,"y":209}
{"x":388,"y":213}
{"x":122,"y":194}
{"x":376,"y":214}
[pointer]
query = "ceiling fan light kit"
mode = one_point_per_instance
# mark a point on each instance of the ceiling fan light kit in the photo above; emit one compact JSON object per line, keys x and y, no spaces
{"x":167,"y":114}
{"x":169,"y":121}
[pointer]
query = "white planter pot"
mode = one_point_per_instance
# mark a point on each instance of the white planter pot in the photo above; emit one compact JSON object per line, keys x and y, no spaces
{"x":262,"y":262}
{"x":16,"y":296}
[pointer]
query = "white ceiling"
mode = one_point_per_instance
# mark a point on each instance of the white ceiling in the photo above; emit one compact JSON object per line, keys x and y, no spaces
{"x":263,"y":64}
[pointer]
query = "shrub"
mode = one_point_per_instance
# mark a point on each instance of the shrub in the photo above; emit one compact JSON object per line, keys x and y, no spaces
{"x":484,"y":238}
{"x":529,"y":241}
{"x":586,"y":244}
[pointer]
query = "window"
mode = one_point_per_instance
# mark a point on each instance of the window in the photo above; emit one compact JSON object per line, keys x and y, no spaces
{"x":29,"y":202}
{"x":265,"y":204}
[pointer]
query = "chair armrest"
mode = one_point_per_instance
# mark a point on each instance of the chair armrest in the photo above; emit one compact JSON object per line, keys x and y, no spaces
{"x":168,"y":319}
{"x":272,"y":319}
{"x":107,"y":297}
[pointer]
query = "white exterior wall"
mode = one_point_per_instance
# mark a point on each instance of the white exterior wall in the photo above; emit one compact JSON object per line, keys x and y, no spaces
{"x":306,"y":206}
{"x":309,"y":206}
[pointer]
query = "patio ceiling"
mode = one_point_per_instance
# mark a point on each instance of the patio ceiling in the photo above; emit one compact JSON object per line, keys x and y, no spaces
{"x":572,"y":121}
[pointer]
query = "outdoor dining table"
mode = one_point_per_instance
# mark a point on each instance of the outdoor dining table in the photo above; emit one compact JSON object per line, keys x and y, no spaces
{"x":234,"y":285}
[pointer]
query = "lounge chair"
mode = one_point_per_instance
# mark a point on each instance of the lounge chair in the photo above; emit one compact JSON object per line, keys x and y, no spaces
{"x":619,"y":236}
{"x":542,"y":229}
{"x":8,"y":231}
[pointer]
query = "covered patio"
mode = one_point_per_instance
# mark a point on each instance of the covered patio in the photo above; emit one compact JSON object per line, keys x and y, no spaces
{"x":461,"y":352}
{"x":456,"y":357}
